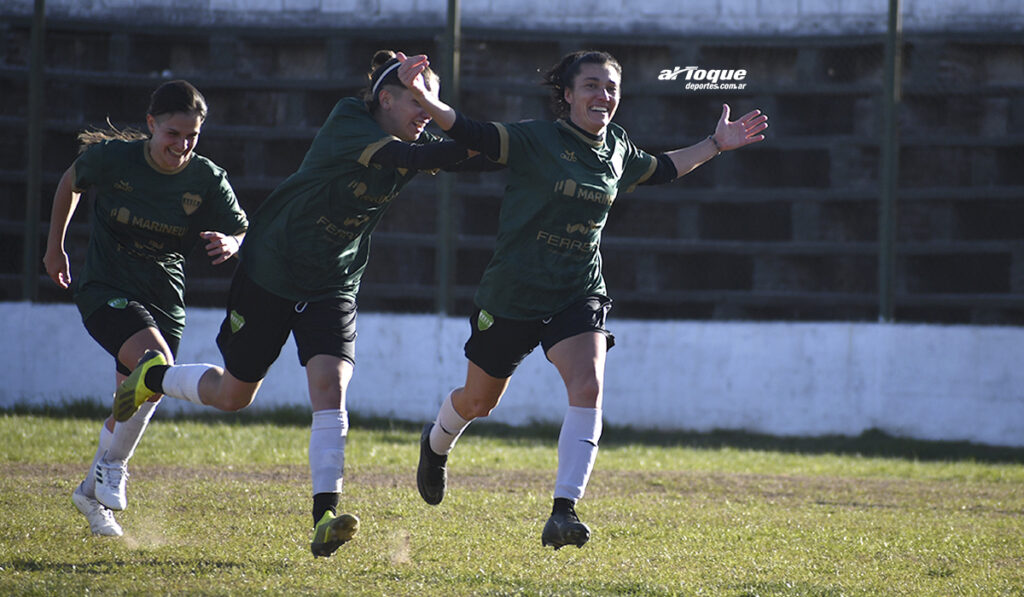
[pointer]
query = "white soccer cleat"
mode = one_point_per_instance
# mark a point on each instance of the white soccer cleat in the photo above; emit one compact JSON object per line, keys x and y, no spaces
{"x":111,"y":478}
{"x":101,"y":520}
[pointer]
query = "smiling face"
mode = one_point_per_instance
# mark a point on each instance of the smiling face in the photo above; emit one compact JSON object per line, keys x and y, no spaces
{"x":400,"y":114}
{"x":593,"y":97}
{"x":174,"y":138}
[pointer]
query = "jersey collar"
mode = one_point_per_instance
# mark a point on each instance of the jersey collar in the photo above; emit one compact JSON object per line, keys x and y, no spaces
{"x":155,"y":166}
{"x":589,"y":139}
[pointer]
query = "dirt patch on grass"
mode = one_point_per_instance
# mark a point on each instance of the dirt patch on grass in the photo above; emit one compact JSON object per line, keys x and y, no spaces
{"x":829,"y":492}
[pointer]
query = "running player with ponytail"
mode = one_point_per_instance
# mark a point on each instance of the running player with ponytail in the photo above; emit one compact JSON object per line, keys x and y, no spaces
{"x":155,"y":199}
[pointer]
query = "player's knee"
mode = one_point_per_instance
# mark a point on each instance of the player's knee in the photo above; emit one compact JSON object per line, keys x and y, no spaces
{"x":479,"y":407}
{"x":586,"y":393}
{"x":236,"y":403}
{"x":236,"y":396}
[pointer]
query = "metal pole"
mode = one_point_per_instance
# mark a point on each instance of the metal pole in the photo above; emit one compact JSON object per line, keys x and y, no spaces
{"x":890,"y":156}
{"x":30,"y":265}
{"x":445,"y":259}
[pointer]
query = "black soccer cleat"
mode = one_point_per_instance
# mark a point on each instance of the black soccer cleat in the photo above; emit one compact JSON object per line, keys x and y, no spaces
{"x":564,"y":528}
{"x":432,"y":472}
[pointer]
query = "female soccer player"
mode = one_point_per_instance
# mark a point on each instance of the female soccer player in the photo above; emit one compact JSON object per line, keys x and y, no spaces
{"x":155,"y":200}
{"x":301,"y":265}
{"x":543,"y":284}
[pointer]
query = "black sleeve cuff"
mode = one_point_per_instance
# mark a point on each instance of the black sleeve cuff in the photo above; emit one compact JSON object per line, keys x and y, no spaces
{"x":664,"y":172}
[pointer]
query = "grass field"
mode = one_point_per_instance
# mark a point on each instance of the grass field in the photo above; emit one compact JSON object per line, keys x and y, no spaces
{"x":220,"y":506}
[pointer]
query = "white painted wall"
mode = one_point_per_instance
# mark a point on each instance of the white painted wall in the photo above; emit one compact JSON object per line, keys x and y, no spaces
{"x":704,"y":17}
{"x":806,"y":379}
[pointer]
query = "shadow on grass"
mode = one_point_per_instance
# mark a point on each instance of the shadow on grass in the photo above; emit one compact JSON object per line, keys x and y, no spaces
{"x":870,"y":443}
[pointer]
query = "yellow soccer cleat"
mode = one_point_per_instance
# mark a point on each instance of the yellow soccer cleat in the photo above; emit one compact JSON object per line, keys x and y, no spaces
{"x":133,"y":391}
{"x":332,"y":532}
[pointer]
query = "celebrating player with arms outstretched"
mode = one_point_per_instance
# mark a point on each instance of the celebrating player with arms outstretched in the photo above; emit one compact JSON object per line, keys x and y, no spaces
{"x":543,"y":284}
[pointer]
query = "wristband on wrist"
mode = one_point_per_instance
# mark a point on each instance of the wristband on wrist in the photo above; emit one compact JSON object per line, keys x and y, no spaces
{"x":718,"y":148}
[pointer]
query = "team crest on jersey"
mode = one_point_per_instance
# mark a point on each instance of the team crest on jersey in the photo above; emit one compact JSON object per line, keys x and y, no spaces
{"x":190,"y":202}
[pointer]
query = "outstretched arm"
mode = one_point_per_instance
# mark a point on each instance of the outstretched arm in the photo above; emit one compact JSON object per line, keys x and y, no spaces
{"x":65,"y":200}
{"x":728,"y":135}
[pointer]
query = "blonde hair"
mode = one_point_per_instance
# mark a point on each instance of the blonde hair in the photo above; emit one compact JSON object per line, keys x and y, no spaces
{"x":111,"y":133}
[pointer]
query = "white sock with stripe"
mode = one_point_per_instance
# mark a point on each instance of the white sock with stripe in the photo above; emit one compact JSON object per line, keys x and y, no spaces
{"x":89,"y":484}
{"x":577,"y":451}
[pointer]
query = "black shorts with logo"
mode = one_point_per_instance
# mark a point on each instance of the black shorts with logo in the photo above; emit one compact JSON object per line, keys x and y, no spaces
{"x":258,"y":322}
{"x":497,"y":345}
{"x":112,"y":325}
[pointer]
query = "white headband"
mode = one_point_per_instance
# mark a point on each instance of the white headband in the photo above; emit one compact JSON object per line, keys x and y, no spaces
{"x":386,"y":72}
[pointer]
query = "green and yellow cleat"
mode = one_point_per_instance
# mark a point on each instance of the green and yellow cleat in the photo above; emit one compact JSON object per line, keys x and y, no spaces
{"x":332,"y":532}
{"x":133,"y":391}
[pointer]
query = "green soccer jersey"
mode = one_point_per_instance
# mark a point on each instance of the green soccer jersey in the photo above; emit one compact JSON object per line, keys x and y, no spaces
{"x":145,"y":222}
{"x":561,"y":184}
{"x":310,"y":239}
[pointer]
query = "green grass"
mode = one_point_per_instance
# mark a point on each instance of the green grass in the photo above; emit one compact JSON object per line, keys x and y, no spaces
{"x":220,"y":506}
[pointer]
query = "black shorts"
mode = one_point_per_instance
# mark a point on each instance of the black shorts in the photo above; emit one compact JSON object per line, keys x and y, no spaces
{"x":112,"y":326}
{"x":497,"y":345}
{"x":258,"y":322}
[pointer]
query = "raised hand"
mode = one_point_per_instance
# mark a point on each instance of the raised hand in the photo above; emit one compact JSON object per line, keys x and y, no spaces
{"x":410,"y":73}
{"x":745,"y":130}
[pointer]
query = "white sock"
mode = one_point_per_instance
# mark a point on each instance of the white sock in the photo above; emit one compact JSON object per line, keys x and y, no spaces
{"x":577,"y":451}
{"x":89,"y":484}
{"x":448,"y":426}
{"x":126,"y":435}
{"x":327,"y":450}
{"x":182,"y":381}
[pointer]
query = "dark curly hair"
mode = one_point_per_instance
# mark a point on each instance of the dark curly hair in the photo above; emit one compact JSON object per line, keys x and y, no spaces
{"x":562,"y":76}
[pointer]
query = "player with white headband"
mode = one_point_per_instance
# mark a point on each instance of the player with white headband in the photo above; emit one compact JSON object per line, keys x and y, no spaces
{"x":301,"y":265}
